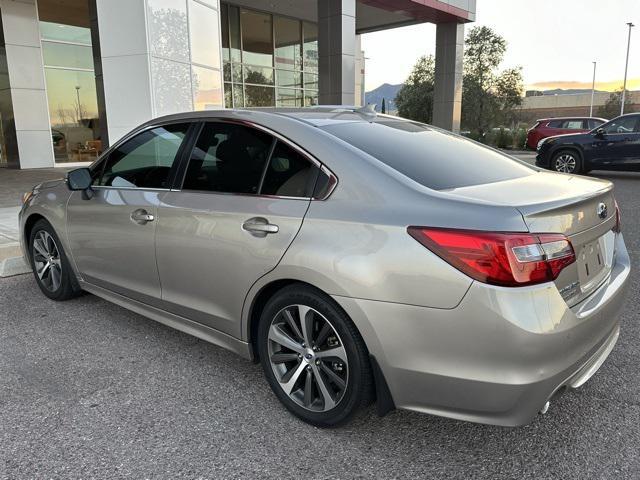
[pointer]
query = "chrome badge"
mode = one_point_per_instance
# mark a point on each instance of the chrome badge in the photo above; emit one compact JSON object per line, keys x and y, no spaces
{"x":602,"y":210}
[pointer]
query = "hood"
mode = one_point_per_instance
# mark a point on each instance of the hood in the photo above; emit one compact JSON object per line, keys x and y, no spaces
{"x":567,"y":137}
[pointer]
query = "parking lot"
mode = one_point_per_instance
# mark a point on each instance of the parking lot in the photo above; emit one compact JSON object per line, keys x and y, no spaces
{"x":90,"y":390}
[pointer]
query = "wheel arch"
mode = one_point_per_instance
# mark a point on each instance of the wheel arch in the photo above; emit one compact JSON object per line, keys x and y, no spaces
{"x":29,"y":223}
{"x":572,"y":147}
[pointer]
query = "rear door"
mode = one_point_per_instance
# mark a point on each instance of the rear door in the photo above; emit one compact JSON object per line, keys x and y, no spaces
{"x":241,"y":204}
{"x":111,"y":234}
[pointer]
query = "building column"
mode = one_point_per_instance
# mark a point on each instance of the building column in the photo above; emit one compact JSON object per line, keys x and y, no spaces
{"x":447,"y":95}
{"x":336,"y":51}
{"x":158,"y":58}
{"x":23,"y":99}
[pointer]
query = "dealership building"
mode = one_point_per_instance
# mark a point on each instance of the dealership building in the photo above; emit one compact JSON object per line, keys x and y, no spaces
{"x":77,"y":75}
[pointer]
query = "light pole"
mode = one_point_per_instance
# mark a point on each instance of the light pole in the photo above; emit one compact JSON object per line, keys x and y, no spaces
{"x":626,"y":66}
{"x":593,"y":88}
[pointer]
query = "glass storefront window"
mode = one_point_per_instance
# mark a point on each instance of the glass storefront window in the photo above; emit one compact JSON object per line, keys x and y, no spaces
{"x":288,"y":78}
{"x":67,"y":56}
{"x":311,"y":81}
{"x":288,"y":97}
{"x":234,"y":34}
{"x":288,"y":43}
{"x":204,"y":34}
{"x":258,"y":75}
{"x":206,"y":87}
{"x":259,"y":96}
{"x":65,"y":33}
{"x":71,"y":90}
{"x":261,"y":50}
{"x":310,"y":46}
{"x":73,"y":111}
{"x":257,"y":38}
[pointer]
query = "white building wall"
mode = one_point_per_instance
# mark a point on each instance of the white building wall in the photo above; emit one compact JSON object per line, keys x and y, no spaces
{"x":158,"y":57}
{"x":27,"y":83}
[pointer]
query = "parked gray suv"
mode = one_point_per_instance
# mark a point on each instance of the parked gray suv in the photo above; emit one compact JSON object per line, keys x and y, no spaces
{"x":357,"y":257}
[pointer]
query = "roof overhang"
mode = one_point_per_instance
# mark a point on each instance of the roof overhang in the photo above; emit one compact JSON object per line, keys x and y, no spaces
{"x":375,"y":15}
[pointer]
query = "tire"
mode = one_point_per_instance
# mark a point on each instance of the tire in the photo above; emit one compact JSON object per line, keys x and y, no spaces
{"x":50,"y":264}
{"x":322,"y":389}
{"x":566,"y":161}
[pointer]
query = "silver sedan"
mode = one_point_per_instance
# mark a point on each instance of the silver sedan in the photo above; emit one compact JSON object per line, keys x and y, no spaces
{"x":358,"y":257}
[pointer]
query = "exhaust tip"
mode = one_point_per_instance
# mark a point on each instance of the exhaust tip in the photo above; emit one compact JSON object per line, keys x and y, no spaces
{"x":545,"y":408}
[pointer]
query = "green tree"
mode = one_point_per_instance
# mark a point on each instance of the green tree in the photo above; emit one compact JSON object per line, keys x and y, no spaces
{"x":384,"y":107}
{"x":488,"y":95}
{"x":415,"y":98}
{"x":611,"y":107}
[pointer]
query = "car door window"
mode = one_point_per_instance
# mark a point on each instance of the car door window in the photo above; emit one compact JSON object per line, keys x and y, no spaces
{"x":572,"y":125}
{"x":555,"y":124}
{"x":146,"y":160}
{"x":289,"y":173}
{"x":228,"y":158}
{"x":621,"y":125}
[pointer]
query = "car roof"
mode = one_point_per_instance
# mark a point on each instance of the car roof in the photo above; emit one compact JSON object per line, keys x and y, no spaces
{"x":317,"y":116}
{"x":570,"y":118}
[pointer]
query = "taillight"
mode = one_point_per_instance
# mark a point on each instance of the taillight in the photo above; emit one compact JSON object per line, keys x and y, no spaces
{"x":618,"y":226}
{"x":506,"y":259}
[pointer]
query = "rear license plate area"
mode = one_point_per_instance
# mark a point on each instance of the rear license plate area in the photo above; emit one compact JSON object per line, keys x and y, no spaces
{"x":591,"y":263}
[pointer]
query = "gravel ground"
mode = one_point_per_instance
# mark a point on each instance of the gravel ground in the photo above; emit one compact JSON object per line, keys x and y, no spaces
{"x":90,"y":390}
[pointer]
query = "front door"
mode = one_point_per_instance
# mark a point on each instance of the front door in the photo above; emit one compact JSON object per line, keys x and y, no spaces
{"x":241,"y":205}
{"x":617,"y":147}
{"x":111,"y":234}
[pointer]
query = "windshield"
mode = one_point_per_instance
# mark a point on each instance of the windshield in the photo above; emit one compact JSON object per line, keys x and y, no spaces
{"x":434,"y":158}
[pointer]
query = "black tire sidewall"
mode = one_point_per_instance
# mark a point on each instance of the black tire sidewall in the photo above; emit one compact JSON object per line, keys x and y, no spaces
{"x":358,"y":383}
{"x":67,"y":289}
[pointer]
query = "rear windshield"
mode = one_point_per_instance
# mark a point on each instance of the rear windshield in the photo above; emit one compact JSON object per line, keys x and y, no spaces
{"x":436,"y":159}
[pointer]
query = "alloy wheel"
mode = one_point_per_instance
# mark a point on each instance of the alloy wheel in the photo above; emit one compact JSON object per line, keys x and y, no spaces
{"x":308,"y":358}
{"x":46,"y":257}
{"x":566,"y":163}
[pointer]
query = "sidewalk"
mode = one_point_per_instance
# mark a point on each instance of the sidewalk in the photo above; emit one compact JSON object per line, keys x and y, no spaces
{"x":13,"y":183}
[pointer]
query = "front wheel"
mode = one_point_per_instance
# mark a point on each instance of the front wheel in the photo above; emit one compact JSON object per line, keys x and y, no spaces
{"x":49,"y":263}
{"x":313,"y":357}
{"x":566,"y":161}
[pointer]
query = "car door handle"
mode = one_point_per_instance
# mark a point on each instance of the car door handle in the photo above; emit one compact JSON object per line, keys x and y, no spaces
{"x":260,"y":227}
{"x":141,"y":216}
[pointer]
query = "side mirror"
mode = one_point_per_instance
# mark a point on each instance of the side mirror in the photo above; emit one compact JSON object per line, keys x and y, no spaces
{"x":80,"y":180}
{"x":600,"y":132}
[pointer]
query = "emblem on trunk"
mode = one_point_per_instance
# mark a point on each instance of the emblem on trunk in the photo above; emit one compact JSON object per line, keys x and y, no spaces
{"x":602,"y":210}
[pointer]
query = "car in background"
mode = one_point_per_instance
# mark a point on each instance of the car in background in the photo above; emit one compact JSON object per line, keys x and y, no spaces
{"x":550,"y":127}
{"x":614,"y":145}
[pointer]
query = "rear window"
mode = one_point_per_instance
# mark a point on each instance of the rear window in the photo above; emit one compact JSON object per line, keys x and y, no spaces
{"x":434,"y":158}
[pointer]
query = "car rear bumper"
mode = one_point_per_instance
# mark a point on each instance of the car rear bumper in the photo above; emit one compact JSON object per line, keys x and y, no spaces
{"x":497,"y":357}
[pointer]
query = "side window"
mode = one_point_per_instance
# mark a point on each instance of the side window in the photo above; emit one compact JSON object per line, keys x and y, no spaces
{"x":594,"y":123}
{"x":555,"y":124}
{"x":572,"y":124}
{"x":289,"y":174}
{"x":621,"y":125}
{"x":228,"y":158}
{"x":145,"y":161}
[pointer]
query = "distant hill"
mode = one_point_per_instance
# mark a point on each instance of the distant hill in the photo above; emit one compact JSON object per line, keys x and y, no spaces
{"x":386,"y":91}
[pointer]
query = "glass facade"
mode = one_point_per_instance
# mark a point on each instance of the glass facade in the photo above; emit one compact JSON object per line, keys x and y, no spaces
{"x":71,"y":90}
{"x":268,"y":60}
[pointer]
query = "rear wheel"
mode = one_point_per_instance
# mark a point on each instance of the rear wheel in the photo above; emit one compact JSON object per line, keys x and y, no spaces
{"x":49,"y":263}
{"x":313,"y":357}
{"x":566,"y":161}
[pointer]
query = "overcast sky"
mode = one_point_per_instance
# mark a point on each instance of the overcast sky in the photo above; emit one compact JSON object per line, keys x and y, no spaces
{"x":554,"y":41}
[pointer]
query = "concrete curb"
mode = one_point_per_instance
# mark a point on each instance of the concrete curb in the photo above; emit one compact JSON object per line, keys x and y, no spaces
{"x":13,"y":266}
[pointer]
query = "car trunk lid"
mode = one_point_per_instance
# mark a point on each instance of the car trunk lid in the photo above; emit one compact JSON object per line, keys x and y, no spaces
{"x":583,"y":209}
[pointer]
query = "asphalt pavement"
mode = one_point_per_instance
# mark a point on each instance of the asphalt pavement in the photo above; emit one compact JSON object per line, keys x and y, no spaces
{"x":91,"y":390}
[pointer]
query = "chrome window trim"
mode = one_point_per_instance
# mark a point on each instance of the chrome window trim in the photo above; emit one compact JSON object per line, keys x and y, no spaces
{"x":137,"y":189}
